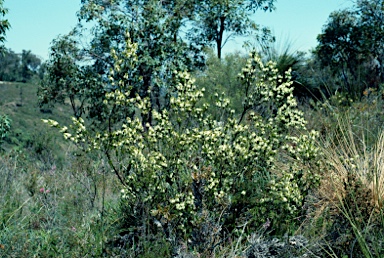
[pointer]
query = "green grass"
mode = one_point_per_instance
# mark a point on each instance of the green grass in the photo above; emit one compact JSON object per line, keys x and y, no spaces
{"x":23,"y":108}
{"x":69,"y":217}
{"x":28,"y":133}
{"x":64,"y":212}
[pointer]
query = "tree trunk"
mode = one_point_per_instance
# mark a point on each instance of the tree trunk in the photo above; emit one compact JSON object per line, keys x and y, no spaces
{"x":219,"y":40}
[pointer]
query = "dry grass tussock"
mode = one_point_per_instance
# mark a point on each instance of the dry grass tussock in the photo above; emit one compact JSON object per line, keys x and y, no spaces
{"x":351,"y":161}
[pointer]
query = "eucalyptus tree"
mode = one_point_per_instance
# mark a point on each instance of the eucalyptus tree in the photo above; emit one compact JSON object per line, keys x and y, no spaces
{"x":19,"y":67}
{"x":351,"y":45}
{"x":340,"y":47}
{"x":217,"y":21}
{"x":372,"y":24}
{"x":30,"y":64}
{"x":159,"y":29}
{"x":9,"y":66}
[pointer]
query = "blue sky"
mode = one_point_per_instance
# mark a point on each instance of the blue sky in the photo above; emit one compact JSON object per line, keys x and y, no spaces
{"x":300,"y":21}
{"x":35,"y":23}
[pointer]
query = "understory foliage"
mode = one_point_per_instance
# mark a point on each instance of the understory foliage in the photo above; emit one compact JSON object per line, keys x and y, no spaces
{"x":199,"y":178}
{"x":5,"y":126}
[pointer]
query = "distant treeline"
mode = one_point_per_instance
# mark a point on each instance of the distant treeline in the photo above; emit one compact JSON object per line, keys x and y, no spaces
{"x":19,"y":67}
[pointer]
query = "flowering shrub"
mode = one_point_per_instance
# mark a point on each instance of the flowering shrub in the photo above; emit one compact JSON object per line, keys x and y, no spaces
{"x":183,"y":164}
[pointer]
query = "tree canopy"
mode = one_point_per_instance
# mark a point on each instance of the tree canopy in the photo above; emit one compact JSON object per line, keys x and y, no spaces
{"x":351,"y":44}
{"x":216,"y":21}
{"x":158,"y":28}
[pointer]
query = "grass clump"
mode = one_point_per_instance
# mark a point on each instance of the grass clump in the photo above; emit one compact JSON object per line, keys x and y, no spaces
{"x":351,"y":193}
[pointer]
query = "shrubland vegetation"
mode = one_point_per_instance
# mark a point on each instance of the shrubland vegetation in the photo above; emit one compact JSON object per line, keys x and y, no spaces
{"x":179,"y":151}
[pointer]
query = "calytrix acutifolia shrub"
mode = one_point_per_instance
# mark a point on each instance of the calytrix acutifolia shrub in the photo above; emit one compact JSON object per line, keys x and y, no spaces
{"x":183,"y":163}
